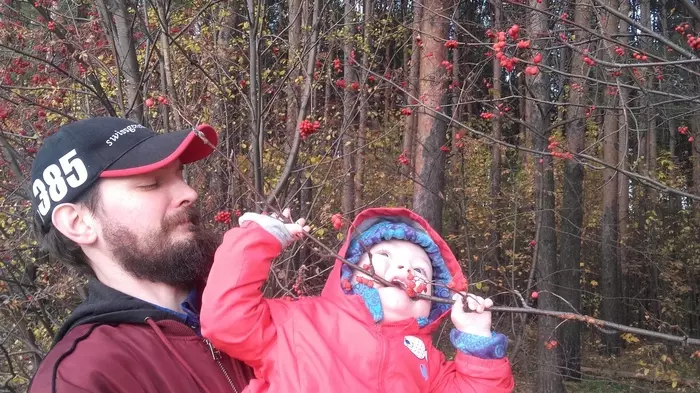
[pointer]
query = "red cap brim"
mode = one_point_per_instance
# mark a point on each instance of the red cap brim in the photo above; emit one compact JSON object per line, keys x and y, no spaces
{"x":161,"y":150}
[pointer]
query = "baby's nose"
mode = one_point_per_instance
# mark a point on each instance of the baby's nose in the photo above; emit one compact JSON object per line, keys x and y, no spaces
{"x":400,"y":266}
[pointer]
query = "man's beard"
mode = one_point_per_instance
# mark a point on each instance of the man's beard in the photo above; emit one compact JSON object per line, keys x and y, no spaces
{"x":157,"y":258}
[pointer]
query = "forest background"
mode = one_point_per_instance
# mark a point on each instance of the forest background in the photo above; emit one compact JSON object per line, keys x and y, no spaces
{"x":550,"y":141}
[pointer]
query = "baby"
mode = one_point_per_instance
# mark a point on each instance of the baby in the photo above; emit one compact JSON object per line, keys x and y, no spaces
{"x":358,"y":335}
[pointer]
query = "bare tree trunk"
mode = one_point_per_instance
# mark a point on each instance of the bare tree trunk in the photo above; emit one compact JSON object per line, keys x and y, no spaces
{"x":538,"y":113}
{"x":623,"y":194}
{"x":171,"y":92}
{"x":119,"y":24}
{"x":256,"y":141}
{"x":431,"y":128}
{"x":359,"y":159}
{"x":611,"y":306}
{"x":349,"y":114}
{"x":294,"y":65}
{"x":494,"y":247}
{"x":572,"y":209}
{"x":695,"y":130}
{"x":611,"y":280}
{"x":411,"y":121}
{"x":225,"y":181}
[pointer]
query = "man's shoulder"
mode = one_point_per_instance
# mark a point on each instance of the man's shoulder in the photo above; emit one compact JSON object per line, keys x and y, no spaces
{"x":86,"y":351}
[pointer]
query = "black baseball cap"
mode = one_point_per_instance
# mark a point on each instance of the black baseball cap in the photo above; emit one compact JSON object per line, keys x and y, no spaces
{"x":71,"y":160}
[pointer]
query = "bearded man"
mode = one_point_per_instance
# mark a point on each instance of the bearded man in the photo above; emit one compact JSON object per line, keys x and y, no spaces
{"x":109,"y":200}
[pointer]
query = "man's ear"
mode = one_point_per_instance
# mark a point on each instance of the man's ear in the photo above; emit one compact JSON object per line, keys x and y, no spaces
{"x":75,"y":222}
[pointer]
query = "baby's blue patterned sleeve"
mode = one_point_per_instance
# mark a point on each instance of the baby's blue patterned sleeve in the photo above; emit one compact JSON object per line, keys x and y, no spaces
{"x":493,"y":347}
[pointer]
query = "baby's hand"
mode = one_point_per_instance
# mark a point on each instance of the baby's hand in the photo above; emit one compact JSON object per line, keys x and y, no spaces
{"x":284,"y":230}
{"x":477,"y":322}
{"x":296,"y":229}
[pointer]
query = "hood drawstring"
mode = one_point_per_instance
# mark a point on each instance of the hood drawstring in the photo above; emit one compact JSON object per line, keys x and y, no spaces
{"x":176,"y":354}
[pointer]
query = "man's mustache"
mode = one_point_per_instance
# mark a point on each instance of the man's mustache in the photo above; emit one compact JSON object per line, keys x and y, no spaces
{"x":189,"y":214}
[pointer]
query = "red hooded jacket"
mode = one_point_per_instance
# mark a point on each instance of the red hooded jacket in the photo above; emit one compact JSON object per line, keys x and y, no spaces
{"x":115,"y":343}
{"x":329,"y":343}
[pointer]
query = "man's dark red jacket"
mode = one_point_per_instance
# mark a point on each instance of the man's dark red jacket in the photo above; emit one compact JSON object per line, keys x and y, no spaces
{"x":115,"y":343}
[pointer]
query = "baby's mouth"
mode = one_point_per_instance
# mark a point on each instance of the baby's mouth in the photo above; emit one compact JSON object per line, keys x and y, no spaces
{"x":401,"y":284}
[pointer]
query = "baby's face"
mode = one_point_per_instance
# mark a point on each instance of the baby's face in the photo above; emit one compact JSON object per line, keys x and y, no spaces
{"x":400,"y":261}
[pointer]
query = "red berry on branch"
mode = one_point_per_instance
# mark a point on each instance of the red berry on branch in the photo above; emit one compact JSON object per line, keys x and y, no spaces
{"x":337,"y":221}
{"x":532,"y":70}
{"x":537,"y":59}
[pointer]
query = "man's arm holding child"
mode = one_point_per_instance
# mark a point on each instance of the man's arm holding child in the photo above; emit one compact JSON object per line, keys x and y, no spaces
{"x":480,"y":364}
{"x":235,"y":316}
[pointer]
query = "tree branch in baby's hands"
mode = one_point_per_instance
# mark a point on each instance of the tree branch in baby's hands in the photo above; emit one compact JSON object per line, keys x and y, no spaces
{"x":472,"y":316}
{"x":296,"y":229}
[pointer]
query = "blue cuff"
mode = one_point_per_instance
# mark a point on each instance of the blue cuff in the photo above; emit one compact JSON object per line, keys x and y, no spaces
{"x":493,"y":347}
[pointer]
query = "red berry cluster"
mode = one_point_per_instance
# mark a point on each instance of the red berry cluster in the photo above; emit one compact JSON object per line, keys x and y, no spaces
{"x":620,"y":51}
{"x":693,"y":41}
{"x":451,"y":44}
{"x":640,"y":56}
{"x":523,"y":44}
{"x":406,"y":111}
{"x":659,"y":75}
{"x":403,"y":158}
{"x":4,"y":113}
{"x":337,"y":221}
{"x":413,"y":288}
{"x":532,"y":70}
{"x":366,"y":281}
{"x":150,"y":101}
{"x":553,"y":144}
{"x":340,"y":83}
{"x":346,"y":284}
{"x":336,"y":65}
{"x":486,"y":115}
{"x":447,"y":65}
{"x":683,"y":130}
{"x":551,"y":344}
{"x":298,"y":286}
{"x":514,"y":32}
{"x":505,"y":61}
{"x":223,"y":217}
{"x":537,"y":59}
{"x":306,"y":128}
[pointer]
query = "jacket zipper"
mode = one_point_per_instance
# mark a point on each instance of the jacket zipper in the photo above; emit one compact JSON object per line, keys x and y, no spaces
{"x":216,"y":355}
{"x":380,"y":385}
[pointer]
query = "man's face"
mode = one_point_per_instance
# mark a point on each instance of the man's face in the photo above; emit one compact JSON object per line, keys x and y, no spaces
{"x":151,"y":228}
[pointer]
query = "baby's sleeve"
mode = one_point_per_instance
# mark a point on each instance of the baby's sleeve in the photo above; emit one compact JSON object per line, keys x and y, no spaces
{"x":235,"y":317}
{"x":470,"y":374}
